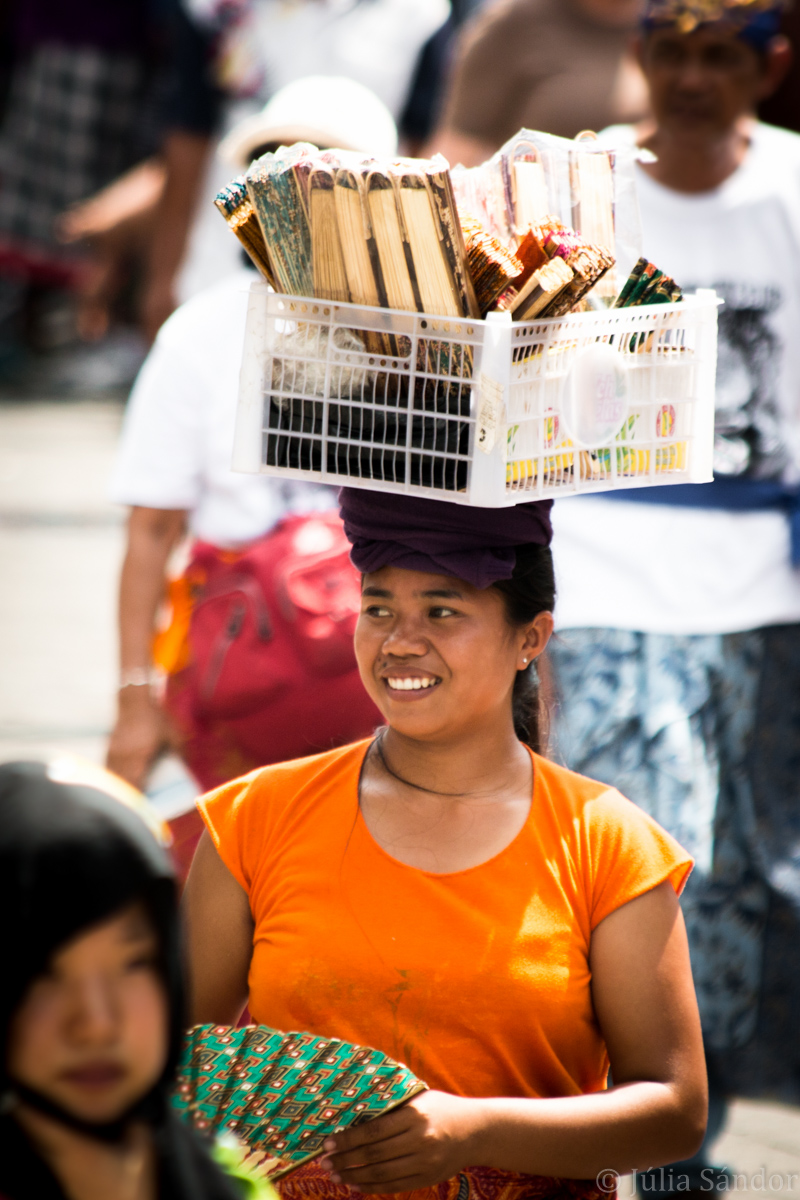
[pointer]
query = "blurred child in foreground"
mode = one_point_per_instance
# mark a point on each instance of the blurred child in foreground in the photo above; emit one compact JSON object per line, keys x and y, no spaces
{"x":91,"y":1000}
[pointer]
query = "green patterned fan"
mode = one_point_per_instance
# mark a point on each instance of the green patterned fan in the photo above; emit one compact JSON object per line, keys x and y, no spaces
{"x":282,"y":1094}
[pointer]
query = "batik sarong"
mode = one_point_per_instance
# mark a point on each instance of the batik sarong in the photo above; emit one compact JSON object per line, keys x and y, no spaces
{"x":475,"y":1183}
{"x":703,"y":732}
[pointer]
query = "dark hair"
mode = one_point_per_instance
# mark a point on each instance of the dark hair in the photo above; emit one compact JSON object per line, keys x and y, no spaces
{"x":70,"y":857}
{"x":530,"y":591}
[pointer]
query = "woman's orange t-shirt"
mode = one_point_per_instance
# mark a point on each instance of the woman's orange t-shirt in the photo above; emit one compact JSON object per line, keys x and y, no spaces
{"x":478,"y":980}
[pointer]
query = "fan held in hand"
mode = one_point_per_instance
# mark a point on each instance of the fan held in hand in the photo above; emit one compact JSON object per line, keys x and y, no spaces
{"x":283,"y":1094}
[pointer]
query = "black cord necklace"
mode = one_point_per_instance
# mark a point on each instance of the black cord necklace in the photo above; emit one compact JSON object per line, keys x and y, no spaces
{"x":378,"y":744}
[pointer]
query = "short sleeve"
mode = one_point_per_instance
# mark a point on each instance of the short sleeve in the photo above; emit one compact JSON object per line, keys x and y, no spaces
{"x":627,"y":854}
{"x":160,"y":459}
{"x":231,"y":818}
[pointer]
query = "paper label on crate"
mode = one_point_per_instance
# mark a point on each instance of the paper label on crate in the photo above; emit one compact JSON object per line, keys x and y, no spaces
{"x":596,"y":396}
{"x":491,"y":411}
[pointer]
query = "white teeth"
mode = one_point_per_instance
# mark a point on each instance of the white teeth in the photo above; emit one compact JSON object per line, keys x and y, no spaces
{"x":413,"y":684}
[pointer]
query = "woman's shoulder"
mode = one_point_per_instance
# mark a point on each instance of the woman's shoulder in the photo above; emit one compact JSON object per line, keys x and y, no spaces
{"x":249,"y":809}
{"x":574,"y":793}
{"x":618,"y":848}
{"x":590,"y":804}
{"x":282,"y":781}
{"x":247,"y":815}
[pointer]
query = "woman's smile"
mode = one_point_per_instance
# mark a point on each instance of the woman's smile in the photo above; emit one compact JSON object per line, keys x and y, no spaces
{"x":410,"y":687}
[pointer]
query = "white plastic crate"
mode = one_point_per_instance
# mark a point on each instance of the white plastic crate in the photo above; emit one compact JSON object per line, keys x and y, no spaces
{"x":489,"y":413}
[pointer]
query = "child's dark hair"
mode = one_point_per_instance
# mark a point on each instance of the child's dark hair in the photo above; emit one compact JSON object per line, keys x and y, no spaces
{"x":530,"y":591}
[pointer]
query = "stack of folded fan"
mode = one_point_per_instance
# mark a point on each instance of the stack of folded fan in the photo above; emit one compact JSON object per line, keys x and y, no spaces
{"x":389,"y":234}
{"x":559,"y":269}
{"x":647,"y":285}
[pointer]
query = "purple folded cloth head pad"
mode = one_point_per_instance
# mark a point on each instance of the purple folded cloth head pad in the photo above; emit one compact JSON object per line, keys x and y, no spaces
{"x":474,"y":544}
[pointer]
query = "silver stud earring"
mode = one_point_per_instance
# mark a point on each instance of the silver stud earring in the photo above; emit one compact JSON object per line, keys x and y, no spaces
{"x":525,"y":660}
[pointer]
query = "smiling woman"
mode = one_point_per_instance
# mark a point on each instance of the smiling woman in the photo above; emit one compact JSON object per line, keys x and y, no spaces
{"x":444,"y":893}
{"x":526,"y":600}
{"x":441,"y":663}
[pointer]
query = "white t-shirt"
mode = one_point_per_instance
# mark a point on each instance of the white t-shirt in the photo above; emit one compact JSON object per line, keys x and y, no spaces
{"x":658,"y":568}
{"x":177,"y":438}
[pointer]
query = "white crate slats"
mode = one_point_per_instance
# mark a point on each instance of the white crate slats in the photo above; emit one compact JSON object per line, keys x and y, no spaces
{"x":487,"y":413}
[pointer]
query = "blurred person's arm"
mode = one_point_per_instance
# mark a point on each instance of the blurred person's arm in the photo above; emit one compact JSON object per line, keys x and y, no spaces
{"x":159,"y":477}
{"x":185,"y":156}
{"x":140,"y":729}
{"x":487,"y":76}
{"x":125,"y":200}
{"x":116,"y":225}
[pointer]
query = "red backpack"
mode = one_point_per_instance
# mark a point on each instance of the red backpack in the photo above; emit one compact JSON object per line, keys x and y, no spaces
{"x":272,"y":673}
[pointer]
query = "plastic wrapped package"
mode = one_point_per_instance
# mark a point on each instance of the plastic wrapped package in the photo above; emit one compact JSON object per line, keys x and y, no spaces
{"x":587,"y":184}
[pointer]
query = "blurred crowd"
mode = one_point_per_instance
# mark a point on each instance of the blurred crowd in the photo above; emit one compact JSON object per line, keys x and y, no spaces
{"x":111,"y":120}
{"x":119,"y":123}
{"x":111,"y":117}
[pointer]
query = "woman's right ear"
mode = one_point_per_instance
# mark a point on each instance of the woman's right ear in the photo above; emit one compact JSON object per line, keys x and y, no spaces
{"x":537,"y":635}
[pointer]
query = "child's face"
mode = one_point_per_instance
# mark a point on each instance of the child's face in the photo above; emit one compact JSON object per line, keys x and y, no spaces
{"x":91,"y":1032}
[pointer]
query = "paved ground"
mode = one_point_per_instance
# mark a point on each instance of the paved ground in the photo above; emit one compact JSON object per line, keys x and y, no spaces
{"x":761,"y":1145}
{"x":60,"y":548}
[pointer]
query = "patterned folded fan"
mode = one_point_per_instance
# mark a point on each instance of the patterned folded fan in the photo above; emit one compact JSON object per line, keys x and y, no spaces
{"x":283,"y":1094}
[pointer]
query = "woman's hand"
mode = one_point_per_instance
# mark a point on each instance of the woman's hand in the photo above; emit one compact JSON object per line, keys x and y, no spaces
{"x":428,"y":1140}
{"x":139,"y":734}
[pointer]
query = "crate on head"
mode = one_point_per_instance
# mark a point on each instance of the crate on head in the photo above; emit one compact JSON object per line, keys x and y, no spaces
{"x":489,"y":413}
